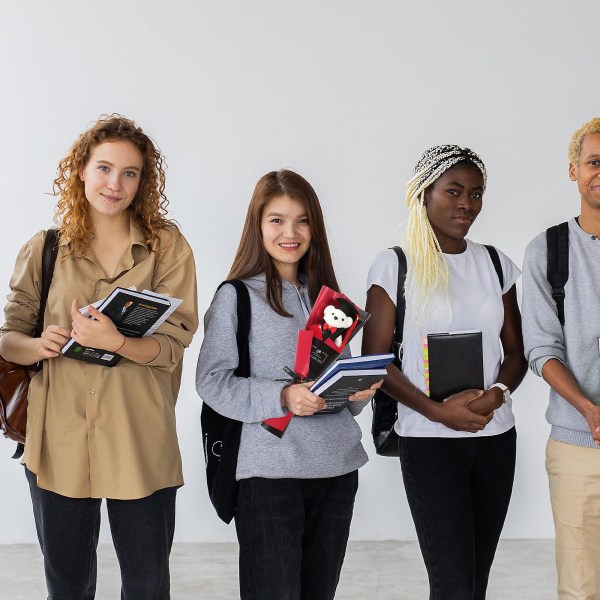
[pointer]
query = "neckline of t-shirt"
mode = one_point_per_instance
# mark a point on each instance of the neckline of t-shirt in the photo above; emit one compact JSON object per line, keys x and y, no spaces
{"x":457,"y":256}
{"x":582,"y":232}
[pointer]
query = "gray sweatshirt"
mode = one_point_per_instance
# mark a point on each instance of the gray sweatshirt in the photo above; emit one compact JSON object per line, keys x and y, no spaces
{"x":576,"y":345}
{"x":311,"y":447}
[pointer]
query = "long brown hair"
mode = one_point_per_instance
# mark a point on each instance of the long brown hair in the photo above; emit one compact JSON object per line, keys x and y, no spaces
{"x":149,"y":206}
{"x":252,"y":258}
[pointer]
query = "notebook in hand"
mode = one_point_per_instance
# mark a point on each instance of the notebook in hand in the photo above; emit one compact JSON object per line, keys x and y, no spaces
{"x":453,"y":363}
{"x":336,"y":390}
{"x":135,"y":314}
{"x":348,"y":376}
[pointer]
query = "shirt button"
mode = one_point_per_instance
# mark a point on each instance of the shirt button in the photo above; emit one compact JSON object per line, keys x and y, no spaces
{"x":92,"y":426}
{"x":92,"y":391}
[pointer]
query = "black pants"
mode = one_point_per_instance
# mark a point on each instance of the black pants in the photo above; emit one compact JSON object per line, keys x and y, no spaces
{"x":293,"y":535}
{"x":458,"y":490}
{"x":68,"y":530}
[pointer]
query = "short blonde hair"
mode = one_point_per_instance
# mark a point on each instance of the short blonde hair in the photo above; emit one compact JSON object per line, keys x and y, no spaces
{"x":592,"y":126}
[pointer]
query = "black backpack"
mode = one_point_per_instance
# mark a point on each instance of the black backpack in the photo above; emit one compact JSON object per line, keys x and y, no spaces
{"x":385,"y":408}
{"x":221,"y":435}
{"x":557,"y":265}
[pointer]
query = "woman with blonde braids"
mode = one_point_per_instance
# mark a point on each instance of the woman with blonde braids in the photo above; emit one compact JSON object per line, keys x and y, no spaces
{"x":95,"y":432}
{"x":457,"y":456}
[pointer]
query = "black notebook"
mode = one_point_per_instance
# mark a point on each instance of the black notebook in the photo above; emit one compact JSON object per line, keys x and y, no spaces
{"x":453,"y":363}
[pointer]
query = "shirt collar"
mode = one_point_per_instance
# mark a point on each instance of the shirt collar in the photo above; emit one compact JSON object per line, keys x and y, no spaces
{"x":138,"y":247}
{"x":135,"y":233}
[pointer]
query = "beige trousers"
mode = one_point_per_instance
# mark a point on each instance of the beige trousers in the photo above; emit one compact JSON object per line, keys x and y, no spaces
{"x":574,"y":476}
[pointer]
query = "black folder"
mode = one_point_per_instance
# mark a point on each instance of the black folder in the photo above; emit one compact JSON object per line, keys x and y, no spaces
{"x":455,"y":363}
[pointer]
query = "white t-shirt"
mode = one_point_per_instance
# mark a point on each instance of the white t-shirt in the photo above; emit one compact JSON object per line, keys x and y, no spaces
{"x":475,"y":304}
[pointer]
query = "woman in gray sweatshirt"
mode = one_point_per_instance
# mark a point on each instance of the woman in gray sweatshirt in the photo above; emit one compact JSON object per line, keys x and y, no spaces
{"x":296,"y":493}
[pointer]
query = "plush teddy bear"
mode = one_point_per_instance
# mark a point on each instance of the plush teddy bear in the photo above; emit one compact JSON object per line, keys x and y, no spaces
{"x":337,"y":320}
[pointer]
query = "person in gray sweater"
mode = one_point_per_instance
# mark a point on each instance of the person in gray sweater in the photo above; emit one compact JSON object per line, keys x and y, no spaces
{"x":296,"y":493}
{"x":567,"y":357}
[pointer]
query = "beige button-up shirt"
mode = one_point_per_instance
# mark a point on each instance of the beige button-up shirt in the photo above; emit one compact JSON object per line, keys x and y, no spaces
{"x":94,"y":431}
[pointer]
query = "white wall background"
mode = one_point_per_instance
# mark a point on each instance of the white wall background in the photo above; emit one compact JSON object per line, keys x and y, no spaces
{"x":347,"y":93}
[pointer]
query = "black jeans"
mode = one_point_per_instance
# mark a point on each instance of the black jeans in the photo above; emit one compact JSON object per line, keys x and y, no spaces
{"x":68,"y":529}
{"x":293,"y":535}
{"x":458,"y":490}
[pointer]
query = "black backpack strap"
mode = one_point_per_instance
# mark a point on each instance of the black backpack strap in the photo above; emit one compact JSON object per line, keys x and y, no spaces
{"x":400,"y":306}
{"x":557,"y":264}
{"x":49,"y":254}
{"x":244,"y":316}
{"x":496,"y":262}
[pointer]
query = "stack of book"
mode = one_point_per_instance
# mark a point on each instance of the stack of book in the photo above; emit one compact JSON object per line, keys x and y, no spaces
{"x":347,"y":376}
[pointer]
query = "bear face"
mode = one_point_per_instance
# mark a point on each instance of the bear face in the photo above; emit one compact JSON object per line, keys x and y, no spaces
{"x":335,"y":317}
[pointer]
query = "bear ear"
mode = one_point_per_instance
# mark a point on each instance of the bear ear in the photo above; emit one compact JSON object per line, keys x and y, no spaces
{"x":347,"y":308}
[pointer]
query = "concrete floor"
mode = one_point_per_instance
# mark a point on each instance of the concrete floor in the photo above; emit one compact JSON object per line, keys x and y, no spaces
{"x":523,"y":570}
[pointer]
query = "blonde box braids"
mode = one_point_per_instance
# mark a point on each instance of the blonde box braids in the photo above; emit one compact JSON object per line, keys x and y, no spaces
{"x":428,"y":271}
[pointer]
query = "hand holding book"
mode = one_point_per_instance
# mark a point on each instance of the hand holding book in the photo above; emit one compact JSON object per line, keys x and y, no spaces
{"x":333,"y":321}
{"x":351,"y":379}
{"x":100,"y":329}
{"x":454,"y":378}
{"x":454,"y":412}
{"x":367,"y":394}
{"x":97,"y":332}
{"x":299,"y":400}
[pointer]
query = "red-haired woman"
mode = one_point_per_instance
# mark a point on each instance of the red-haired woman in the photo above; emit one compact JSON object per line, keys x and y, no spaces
{"x":296,"y":493}
{"x":95,"y":432}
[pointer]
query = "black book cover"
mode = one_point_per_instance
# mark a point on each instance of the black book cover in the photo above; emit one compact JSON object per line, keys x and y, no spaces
{"x":455,"y":363}
{"x":335,"y":390}
{"x":134,"y":313}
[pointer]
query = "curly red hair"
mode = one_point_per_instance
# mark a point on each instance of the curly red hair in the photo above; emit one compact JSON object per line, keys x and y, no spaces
{"x":149,"y":206}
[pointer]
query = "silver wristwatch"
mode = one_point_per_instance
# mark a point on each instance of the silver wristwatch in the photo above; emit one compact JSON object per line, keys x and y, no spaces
{"x":505,"y":391}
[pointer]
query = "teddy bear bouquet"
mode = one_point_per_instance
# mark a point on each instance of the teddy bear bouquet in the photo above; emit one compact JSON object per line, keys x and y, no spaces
{"x":333,"y":321}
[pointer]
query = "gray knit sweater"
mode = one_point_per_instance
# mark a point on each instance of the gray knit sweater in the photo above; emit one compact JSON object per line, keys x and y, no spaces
{"x":312,"y":447}
{"x":576,"y":345}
